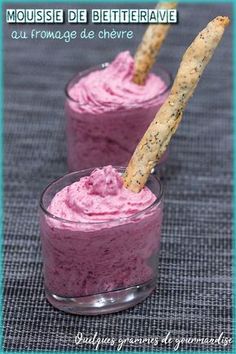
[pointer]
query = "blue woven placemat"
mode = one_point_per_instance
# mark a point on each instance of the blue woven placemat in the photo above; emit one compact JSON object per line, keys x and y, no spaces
{"x":193,"y":295}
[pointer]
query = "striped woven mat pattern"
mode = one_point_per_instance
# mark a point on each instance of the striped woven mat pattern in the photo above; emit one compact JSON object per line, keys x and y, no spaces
{"x":193,"y":297}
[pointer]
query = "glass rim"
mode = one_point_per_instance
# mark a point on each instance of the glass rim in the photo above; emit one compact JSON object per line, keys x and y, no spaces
{"x":54,"y":217}
{"x":104,"y":65}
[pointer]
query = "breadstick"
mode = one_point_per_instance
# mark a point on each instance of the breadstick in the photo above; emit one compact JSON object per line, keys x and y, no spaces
{"x":150,"y":46}
{"x":158,"y":135}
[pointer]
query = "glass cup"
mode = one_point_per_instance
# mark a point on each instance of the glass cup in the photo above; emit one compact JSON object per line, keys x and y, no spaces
{"x":99,"y":267}
{"x":100,"y":139}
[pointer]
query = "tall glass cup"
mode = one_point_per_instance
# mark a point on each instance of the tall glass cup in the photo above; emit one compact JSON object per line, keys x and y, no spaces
{"x":100,"y":267}
{"x":110,"y":137}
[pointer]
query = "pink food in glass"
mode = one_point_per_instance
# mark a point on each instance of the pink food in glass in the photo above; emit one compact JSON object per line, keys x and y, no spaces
{"x":107,"y":114}
{"x":97,"y":236}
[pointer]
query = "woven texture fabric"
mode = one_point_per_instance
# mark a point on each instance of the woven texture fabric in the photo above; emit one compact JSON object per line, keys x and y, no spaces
{"x":193,"y":294}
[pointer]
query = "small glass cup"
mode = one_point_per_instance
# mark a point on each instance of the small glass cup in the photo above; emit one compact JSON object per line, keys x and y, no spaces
{"x":99,"y":267}
{"x":100,"y":139}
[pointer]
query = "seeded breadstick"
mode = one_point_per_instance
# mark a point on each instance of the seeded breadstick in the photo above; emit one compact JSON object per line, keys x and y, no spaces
{"x":158,"y":135}
{"x":150,"y":46}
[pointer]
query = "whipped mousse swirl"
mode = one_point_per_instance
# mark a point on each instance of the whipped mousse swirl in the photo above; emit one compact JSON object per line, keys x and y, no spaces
{"x":99,"y":197}
{"x":112,"y":89}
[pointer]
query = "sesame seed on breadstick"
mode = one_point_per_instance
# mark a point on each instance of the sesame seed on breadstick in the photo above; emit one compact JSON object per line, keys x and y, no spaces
{"x":150,"y":46}
{"x":158,"y":135}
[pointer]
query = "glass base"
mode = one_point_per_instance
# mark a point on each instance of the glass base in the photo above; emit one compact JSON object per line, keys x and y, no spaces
{"x":108,"y":302}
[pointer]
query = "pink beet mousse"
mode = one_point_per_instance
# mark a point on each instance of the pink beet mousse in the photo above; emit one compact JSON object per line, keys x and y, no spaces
{"x":107,"y":114}
{"x":98,"y":236}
